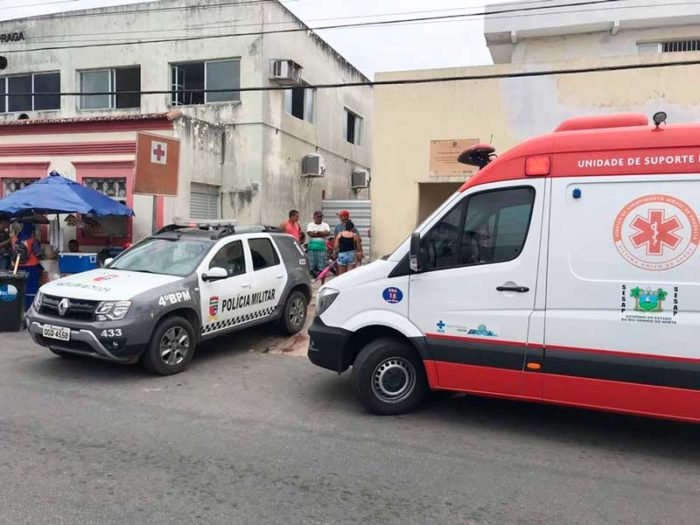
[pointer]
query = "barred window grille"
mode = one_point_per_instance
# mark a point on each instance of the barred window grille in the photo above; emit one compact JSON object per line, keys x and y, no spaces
{"x":680,"y":46}
{"x":12,"y":185}
{"x":111,"y":187}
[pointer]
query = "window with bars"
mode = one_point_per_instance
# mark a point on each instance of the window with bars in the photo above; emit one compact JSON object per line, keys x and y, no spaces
{"x":114,"y":227}
{"x":111,"y":187}
{"x":10,"y":185}
{"x":676,"y":46}
{"x":680,"y":46}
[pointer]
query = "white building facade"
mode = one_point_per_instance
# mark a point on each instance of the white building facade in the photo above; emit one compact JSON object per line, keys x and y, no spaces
{"x":241,"y":151}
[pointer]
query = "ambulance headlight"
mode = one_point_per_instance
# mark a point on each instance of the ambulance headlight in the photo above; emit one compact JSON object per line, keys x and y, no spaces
{"x":325,"y":298}
{"x":112,"y":310}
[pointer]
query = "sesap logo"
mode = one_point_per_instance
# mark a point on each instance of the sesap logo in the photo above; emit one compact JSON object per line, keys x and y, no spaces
{"x":656,"y":232}
{"x":8,"y":293}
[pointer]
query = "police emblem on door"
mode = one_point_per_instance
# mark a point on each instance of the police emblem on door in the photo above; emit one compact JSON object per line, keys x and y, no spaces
{"x":656,"y":232}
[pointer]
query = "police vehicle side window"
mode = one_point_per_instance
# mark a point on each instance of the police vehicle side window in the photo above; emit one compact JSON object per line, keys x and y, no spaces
{"x":230,"y":258}
{"x":485,"y":228}
{"x":263,"y":254}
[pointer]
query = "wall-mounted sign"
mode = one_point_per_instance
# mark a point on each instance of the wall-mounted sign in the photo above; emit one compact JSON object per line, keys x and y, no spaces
{"x":157,"y":164}
{"x":14,"y":36}
{"x":443,"y":157}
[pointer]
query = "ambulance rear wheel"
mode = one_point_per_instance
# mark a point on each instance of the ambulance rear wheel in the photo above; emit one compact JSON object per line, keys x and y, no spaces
{"x":388,"y":377}
{"x":171,"y":347}
{"x":294,"y":313}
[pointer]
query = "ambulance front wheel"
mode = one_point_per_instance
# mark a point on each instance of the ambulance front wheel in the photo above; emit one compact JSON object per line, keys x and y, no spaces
{"x":388,"y":377}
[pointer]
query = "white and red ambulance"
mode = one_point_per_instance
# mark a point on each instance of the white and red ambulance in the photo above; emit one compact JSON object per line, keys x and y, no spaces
{"x":566,"y":271}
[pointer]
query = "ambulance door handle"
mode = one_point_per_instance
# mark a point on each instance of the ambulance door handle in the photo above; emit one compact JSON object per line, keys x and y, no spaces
{"x":519,"y":289}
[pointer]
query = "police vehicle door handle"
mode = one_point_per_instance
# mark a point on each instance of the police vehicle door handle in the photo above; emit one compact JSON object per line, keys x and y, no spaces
{"x":246,"y":285}
{"x":519,"y":289}
{"x":280,"y":276}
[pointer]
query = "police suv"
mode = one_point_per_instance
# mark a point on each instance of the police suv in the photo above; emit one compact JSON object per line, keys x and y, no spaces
{"x":187,"y":283}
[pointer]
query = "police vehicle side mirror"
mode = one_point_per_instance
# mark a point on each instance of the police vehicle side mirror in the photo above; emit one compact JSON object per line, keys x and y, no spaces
{"x":414,"y":258}
{"x":108,"y":261}
{"x":215,"y":274}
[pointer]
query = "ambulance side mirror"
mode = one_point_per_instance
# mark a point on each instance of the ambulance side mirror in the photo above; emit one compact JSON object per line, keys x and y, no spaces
{"x":215,"y":274}
{"x":414,"y":258}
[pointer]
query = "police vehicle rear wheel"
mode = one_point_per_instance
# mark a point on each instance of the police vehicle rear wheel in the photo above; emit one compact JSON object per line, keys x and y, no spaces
{"x":294,"y":314}
{"x":388,"y":377}
{"x":171,"y":347}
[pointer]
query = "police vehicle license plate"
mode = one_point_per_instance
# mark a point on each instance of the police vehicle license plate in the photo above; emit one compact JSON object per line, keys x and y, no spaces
{"x":56,"y":332}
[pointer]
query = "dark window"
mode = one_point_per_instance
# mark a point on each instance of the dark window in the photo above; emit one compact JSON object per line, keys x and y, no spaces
{"x":189,"y":81}
{"x":2,"y":96}
{"x":263,"y":254}
{"x":47,"y":83}
{"x":128,"y":79}
{"x":353,"y":127}
{"x":489,"y":227}
{"x":299,"y":102}
{"x":22,"y":100}
{"x":230,"y":258}
{"x":110,"y":81}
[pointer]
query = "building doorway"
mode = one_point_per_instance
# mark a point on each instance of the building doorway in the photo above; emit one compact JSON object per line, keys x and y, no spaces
{"x":433,"y":194}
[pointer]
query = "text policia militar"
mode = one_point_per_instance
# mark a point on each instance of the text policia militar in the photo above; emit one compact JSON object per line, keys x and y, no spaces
{"x":251,"y":299}
{"x":649,"y":160}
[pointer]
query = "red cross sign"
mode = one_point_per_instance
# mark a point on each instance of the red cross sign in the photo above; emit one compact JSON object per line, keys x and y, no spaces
{"x":159,"y":152}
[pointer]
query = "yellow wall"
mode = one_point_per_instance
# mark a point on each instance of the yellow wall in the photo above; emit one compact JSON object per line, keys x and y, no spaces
{"x":408,"y":117}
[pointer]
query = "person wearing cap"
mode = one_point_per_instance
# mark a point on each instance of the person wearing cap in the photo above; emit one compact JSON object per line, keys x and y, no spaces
{"x":318,"y":231}
{"x":344,"y":216}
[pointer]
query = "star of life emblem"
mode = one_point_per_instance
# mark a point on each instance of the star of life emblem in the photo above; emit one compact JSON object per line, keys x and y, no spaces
{"x":656,"y":232}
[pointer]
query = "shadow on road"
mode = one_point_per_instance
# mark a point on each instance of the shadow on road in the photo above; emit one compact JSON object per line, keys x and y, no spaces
{"x":542,"y":423}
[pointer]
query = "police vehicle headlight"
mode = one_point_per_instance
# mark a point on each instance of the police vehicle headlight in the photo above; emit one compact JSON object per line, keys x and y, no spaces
{"x":38,"y":298}
{"x":112,"y":310}
{"x":325,"y":298}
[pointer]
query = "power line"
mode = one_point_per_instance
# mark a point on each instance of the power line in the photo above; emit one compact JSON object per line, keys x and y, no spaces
{"x":42,"y":4}
{"x":317,"y":28}
{"x":221,"y":25}
{"x":399,"y":82}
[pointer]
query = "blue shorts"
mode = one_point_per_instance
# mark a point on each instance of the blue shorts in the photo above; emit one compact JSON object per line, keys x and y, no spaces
{"x":345,"y":258}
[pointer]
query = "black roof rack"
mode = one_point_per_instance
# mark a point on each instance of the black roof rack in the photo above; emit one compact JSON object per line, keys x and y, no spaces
{"x":218,"y":229}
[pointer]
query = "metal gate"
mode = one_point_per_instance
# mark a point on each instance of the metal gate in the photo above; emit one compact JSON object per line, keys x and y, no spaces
{"x":360,"y":214}
{"x":204,"y":202}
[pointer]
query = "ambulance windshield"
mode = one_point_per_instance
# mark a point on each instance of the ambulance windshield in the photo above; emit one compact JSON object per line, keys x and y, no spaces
{"x":163,"y":256}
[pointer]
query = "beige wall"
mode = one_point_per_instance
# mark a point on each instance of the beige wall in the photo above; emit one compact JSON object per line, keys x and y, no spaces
{"x":408,"y":117}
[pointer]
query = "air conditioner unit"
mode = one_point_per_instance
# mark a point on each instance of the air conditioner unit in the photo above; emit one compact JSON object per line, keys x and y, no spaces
{"x":359,"y":179}
{"x":285,"y":72}
{"x":313,"y":166}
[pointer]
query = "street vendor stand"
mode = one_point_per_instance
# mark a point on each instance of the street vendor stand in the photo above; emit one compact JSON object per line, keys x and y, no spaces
{"x":56,"y":195}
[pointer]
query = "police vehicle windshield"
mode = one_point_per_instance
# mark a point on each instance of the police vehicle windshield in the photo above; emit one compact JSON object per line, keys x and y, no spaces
{"x":163,"y":256}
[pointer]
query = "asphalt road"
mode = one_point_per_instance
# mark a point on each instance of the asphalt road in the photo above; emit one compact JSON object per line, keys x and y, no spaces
{"x":246,"y":437}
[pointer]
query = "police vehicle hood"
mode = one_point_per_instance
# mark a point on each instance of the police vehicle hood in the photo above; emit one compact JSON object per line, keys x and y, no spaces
{"x":107,"y":285}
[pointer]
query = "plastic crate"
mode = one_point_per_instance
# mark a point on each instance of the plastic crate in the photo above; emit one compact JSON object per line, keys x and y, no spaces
{"x":77,"y":262}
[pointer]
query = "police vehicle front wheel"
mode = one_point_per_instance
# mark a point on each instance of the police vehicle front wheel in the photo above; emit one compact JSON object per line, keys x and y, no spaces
{"x":171,"y":347}
{"x":294,"y":313}
{"x":388,"y":377}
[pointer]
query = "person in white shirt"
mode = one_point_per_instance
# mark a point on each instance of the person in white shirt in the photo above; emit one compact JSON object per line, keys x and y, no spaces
{"x":317,"y":231}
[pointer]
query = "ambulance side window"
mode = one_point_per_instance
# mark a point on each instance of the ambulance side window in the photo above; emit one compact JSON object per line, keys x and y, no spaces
{"x":485,"y":228}
{"x":230,"y":258}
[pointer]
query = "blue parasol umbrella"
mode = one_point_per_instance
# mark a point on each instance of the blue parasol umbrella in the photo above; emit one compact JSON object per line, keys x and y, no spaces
{"x":57,"y":194}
